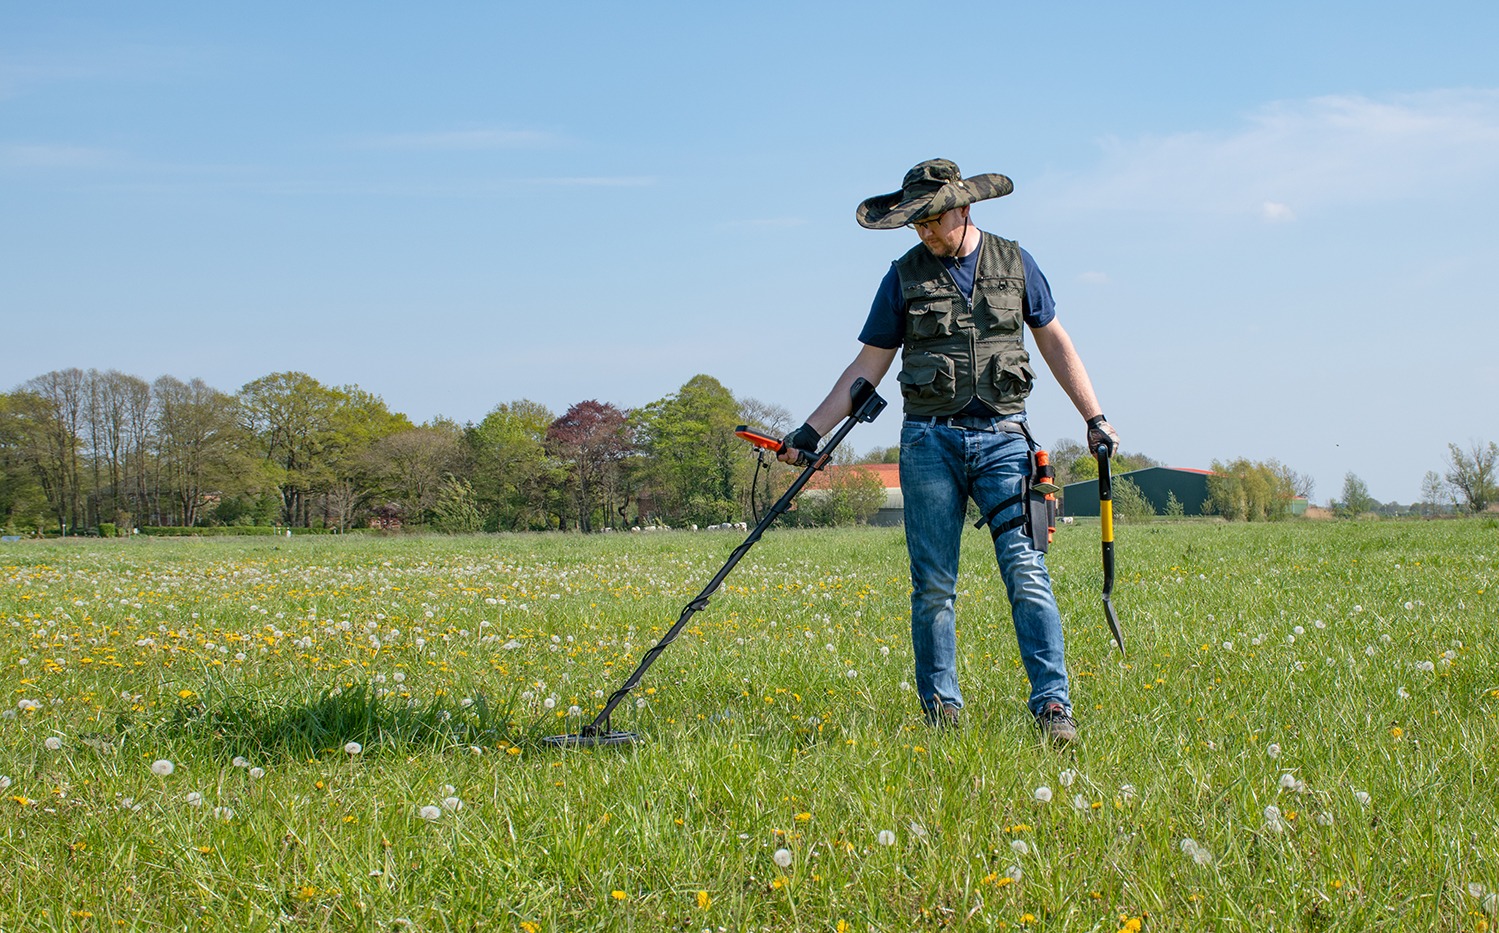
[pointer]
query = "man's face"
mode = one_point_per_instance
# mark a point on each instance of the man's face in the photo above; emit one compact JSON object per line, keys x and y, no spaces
{"x":943,"y":234}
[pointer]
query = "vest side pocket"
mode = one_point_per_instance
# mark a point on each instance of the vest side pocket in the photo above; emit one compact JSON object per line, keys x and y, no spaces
{"x":1012,"y":375}
{"x":927,"y":376}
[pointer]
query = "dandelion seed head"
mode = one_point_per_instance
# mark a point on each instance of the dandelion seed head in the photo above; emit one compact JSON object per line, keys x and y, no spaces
{"x":162,"y":767}
{"x":1015,"y":873}
{"x":452,"y":804}
{"x":194,"y":799}
{"x":430,"y":812}
{"x":885,"y":838}
{"x":239,"y":762}
{"x":1043,"y":794}
{"x":1020,"y":847}
{"x":782,"y":857}
{"x":1272,"y":750}
{"x":1079,"y":802}
{"x":257,"y":773}
{"x":1066,"y":778}
{"x":1287,"y":781}
{"x":353,"y":748}
{"x":53,"y":743}
{"x":1362,"y":797}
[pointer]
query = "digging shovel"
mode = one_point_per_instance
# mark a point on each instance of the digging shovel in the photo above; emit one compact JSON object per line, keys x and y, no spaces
{"x":1106,"y":524}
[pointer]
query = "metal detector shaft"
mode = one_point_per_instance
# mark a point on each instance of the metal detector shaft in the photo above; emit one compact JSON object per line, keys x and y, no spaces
{"x":867,"y":404}
{"x":1106,"y":524}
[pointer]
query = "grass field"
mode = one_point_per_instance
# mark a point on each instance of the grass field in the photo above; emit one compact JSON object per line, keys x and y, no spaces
{"x":1305,"y":736}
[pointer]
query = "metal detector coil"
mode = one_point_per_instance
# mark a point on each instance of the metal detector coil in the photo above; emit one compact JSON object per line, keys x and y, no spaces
{"x":865,"y":406}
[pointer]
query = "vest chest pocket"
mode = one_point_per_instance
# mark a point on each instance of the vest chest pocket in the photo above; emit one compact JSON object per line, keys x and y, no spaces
{"x":999,"y":304}
{"x":930,"y":317}
{"x":927,"y":376}
{"x":1011,"y":374}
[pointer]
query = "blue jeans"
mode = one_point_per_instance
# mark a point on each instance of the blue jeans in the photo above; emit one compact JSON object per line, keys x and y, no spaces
{"x":940,"y":468}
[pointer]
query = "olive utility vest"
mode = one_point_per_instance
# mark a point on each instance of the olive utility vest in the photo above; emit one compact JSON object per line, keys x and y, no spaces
{"x":956,"y":351}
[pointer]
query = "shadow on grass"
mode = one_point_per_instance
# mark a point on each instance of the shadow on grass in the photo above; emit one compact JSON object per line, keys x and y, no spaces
{"x":250,"y":725}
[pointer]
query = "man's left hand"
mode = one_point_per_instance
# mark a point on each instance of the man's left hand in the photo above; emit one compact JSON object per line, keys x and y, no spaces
{"x":1102,"y":434}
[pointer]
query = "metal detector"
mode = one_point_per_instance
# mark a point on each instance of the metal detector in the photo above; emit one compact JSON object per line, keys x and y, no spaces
{"x":867,"y":404}
{"x":1106,"y":524}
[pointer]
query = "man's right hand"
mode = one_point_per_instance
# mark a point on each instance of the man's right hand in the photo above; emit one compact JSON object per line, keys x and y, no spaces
{"x":803,"y":440}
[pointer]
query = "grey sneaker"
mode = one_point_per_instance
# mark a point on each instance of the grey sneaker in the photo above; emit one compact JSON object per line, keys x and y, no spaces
{"x":1056,"y":724}
{"x":945,"y":716}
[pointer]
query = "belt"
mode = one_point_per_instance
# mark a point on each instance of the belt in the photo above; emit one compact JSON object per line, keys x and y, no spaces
{"x":962,"y":422}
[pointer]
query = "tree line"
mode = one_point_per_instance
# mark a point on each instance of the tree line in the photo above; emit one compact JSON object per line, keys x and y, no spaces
{"x":84,"y":451}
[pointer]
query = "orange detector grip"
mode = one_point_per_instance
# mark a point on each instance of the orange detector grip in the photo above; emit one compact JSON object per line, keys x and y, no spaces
{"x":759,"y":440}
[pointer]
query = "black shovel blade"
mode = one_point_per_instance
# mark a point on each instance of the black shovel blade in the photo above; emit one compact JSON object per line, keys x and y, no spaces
{"x":1108,"y":610}
{"x":590,"y":740}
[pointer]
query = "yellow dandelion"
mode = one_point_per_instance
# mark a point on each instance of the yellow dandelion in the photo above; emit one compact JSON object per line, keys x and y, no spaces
{"x":512,"y":750}
{"x":703,"y":900}
{"x":529,"y":927}
{"x":1396,"y":732}
{"x":618,"y":895}
{"x":185,"y":694}
{"x":803,"y":817}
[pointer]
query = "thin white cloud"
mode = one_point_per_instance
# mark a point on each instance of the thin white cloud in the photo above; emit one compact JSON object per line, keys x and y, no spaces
{"x":462,"y":140}
{"x":1277,"y":213}
{"x":1316,"y":153}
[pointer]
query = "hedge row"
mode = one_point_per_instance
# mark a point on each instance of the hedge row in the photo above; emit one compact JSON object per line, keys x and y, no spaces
{"x":236,"y":531}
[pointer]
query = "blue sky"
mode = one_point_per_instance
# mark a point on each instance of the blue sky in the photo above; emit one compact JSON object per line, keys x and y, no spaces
{"x":1269,"y":228}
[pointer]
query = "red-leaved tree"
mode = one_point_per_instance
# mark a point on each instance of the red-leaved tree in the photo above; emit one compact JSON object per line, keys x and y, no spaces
{"x":591,"y":439}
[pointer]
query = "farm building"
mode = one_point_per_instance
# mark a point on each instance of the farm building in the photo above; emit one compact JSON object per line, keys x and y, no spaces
{"x":1157,"y":483}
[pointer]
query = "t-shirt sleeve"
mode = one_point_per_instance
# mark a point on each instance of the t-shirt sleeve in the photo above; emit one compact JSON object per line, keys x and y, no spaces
{"x":1039,"y":308}
{"x":885,"y":327}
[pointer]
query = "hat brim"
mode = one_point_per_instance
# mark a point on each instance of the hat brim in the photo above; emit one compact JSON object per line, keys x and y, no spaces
{"x":889,"y":211}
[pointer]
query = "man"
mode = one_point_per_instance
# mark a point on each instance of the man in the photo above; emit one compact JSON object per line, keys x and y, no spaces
{"x":954,"y":306}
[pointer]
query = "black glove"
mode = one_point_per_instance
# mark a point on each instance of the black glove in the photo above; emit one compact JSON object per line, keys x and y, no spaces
{"x":803,"y":438}
{"x":1102,"y":434}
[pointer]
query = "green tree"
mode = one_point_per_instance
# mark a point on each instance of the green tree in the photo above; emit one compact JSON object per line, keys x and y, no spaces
{"x":199,"y":444}
{"x":412,"y":469}
{"x":1256,"y":491}
{"x":1130,"y":504}
{"x":1471,"y":476}
{"x":1433,"y":494}
{"x":22,"y":498}
{"x":514,"y":479}
{"x":56,"y":442}
{"x":693,"y":465}
{"x":1174,"y":507}
{"x":1356,"y":499}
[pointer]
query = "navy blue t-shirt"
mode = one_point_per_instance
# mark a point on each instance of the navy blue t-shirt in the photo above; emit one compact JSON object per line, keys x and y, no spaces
{"x":886,"y":326}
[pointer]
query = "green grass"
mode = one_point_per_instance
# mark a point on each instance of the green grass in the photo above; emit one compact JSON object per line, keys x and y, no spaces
{"x":781,"y":719}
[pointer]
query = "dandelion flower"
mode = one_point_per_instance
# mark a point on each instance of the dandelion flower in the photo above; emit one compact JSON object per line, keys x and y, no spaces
{"x":353,"y":748}
{"x":1043,"y":794}
{"x":161,"y":767}
{"x":782,"y":857}
{"x":885,"y":838}
{"x":430,"y":813}
{"x":53,"y":743}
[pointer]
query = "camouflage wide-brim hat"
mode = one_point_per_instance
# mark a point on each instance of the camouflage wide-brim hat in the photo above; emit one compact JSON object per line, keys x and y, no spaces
{"x":929,"y":189}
